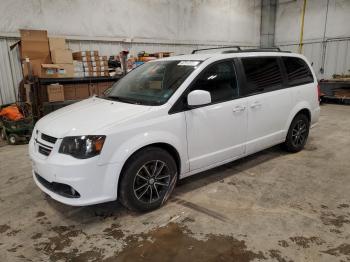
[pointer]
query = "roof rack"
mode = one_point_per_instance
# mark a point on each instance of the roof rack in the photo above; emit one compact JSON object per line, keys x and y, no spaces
{"x":222,"y":47}
{"x":265,"y":49}
{"x":238,"y":49}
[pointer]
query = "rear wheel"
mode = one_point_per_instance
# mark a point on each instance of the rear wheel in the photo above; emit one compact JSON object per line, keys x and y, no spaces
{"x":297,"y":134}
{"x":13,"y":139}
{"x":148,"y":179}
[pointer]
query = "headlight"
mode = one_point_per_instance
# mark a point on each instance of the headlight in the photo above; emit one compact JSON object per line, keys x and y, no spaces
{"x":82,"y":146}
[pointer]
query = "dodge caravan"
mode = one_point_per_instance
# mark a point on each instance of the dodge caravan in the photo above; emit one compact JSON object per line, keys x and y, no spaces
{"x":172,"y":118}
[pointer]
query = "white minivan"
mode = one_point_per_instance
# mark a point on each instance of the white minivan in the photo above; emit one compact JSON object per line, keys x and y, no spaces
{"x":172,"y":118}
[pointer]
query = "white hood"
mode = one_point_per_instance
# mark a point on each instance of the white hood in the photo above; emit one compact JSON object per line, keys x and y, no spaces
{"x":85,"y":117}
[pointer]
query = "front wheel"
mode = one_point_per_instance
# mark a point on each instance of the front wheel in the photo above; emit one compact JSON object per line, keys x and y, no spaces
{"x":148,"y":179}
{"x":297,"y":134}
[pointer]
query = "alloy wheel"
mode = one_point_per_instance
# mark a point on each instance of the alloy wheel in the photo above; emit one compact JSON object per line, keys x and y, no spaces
{"x":299,"y":133}
{"x":151,"y":181}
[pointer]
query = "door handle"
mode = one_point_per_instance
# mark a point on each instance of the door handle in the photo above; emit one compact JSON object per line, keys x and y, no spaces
{"x":238,"y":109}
{"x":255,"y":105}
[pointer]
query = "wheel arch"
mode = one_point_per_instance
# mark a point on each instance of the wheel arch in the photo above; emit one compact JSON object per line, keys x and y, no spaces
{"x":165,"y":146}
{"x":301,"y":108}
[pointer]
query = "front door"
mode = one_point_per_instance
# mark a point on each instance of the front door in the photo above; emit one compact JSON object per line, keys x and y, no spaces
{"x":217,"y":132}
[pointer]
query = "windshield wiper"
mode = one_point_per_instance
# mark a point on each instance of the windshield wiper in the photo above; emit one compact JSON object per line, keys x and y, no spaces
{"x":123,"y":99}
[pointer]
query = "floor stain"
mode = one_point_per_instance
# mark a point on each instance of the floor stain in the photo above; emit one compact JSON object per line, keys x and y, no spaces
{"x":53,"y":246}
{"x":334,"y":230}
{"x":14,"y":249}
{"x":40,"y":214}
{"x":343,"y":206}
{"x":170,"y":243}
{"x":328,"y":218}
{"x":13,"y":232}
{"x":36,"y":236}
{"x":306,"y":241}
{"x":283,"y":243}
{"x":4,"y":228}
{"x":343,"y":249}
{"x":276,"y":254}
{"x":114,"y":232}
{"x":188,"y":220}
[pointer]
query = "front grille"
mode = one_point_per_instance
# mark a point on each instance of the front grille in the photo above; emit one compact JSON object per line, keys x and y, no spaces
{"x":58,"y":188}
{"x":48,"y":138}
{"x":45,"y":151}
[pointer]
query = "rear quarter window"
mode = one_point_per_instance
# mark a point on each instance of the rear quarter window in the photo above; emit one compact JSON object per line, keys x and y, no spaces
{"x":298,"y":72}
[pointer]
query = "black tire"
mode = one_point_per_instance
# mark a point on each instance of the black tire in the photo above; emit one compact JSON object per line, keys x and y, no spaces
{"x":297,"y":134}
{"x":159,"y":181}
{"x":13,"y":139}
{"x":3,"y":134}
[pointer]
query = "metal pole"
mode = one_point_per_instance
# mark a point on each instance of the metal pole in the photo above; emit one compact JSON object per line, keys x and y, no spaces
{"x":302,"y":28}
{"x":324,"y":43}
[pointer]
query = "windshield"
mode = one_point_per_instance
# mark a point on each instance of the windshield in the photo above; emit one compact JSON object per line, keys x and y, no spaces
{"x":152,"y":83}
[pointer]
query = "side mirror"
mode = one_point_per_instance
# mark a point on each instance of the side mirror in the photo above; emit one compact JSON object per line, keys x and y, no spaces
{"x":198,"y":98}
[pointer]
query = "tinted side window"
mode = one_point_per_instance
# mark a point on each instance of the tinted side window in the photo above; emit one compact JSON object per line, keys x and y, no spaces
{"x":262,"y":74}
{"x":298,"y":71}
{"x":219,"y":80}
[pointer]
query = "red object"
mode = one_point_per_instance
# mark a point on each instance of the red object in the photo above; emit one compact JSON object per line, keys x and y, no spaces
{"x":12,"y":113}
{"x":319,"y":92}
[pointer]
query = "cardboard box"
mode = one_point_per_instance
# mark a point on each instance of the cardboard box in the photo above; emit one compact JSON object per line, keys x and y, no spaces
{"x":56,"y":70}
{"x":34,"y":44}
{"x":90,"y":74}
{"x":57,"y":43}
{"x":66,"y":70}
{"x":82,"y":91}
{"x":81,"y":54}
{"x":102,"y":58}
{"x":33,"y":66}
{"x":55,"y":93}
{"x":69,"y":92}
{"x":49,"y":71}
{"x":102,"y":87}
{"x":78,"y":74}
{"x":76,"y":91}
{"x":60,"y":56}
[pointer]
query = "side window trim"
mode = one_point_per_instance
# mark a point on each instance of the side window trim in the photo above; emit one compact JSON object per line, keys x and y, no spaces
{"x":174,"y":109}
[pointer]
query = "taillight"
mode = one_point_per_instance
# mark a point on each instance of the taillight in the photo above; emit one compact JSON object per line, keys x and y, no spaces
{"x":319,"y":92}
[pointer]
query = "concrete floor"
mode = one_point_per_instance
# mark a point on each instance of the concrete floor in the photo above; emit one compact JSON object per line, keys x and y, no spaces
{"x":272,"y":206}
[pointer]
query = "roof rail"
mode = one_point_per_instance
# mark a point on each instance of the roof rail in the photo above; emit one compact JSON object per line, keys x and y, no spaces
{"x":265,"y":49}
{"x":210,"y":48}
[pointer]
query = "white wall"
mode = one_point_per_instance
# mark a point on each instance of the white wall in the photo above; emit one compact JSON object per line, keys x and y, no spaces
{"x":337,"y":51}
{"x":183,"y":21}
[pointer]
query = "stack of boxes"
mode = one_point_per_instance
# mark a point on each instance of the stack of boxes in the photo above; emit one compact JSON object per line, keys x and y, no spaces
{"x":92,"y":63}
{"x":61,"y":57}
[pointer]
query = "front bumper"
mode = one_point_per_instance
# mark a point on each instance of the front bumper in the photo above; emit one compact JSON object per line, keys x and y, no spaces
{"x":92,"y":181}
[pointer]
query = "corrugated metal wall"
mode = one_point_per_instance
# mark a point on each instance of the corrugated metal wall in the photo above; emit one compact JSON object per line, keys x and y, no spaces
{"x":10,"y":72}
{"x":336,"y":59}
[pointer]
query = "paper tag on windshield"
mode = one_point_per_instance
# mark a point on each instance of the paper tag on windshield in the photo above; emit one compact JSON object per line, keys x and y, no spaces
{"x":188,"y":63}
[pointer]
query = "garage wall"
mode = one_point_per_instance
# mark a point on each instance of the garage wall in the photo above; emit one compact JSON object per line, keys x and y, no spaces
{"x":114,"y":25}
{"x":326,"y":36}
{"x":182,"y":21}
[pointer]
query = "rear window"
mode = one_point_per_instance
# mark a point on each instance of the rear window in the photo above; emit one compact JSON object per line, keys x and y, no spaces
{"x":298,"y":72}
{"x":262,"y":73}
